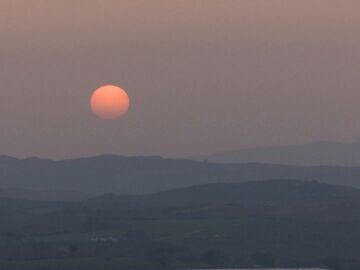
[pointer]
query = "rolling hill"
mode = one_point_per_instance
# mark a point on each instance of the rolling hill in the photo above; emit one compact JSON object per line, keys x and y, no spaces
{"x":138,"y":175}
{"x":293,"y":197}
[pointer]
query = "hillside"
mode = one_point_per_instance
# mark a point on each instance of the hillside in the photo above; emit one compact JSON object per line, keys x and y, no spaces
{"x":137,"y":175}
{"x":294,"y":197}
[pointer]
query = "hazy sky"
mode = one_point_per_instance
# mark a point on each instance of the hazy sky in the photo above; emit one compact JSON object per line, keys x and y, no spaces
{"x":203,"y":76}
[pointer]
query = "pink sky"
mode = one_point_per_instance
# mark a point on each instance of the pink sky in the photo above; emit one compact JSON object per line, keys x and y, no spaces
{"x":203,"y":76}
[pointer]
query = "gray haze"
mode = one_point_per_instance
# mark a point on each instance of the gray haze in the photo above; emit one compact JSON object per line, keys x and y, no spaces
{"x":203,"y":76}
{"x":312,"y":154}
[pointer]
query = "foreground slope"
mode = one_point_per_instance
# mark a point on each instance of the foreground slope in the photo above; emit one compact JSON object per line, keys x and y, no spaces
{"x":287,"y":223}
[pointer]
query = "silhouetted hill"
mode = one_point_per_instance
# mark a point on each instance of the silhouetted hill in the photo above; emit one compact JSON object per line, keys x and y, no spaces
{"x":290,"y":198}
{"x":136,"y":175}
{"x":313,"y":154}
{"x":281,"y":196}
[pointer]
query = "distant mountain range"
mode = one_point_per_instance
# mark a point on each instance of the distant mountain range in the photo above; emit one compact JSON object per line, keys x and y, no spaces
{"x":312,"y":154}
{"x":137,"y":175}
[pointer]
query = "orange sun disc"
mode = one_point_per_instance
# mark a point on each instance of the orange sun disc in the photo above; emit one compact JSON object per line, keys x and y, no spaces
{"x":110,"y":102}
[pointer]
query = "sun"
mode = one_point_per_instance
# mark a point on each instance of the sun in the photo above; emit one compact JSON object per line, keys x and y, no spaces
{"x":110,"y":102}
